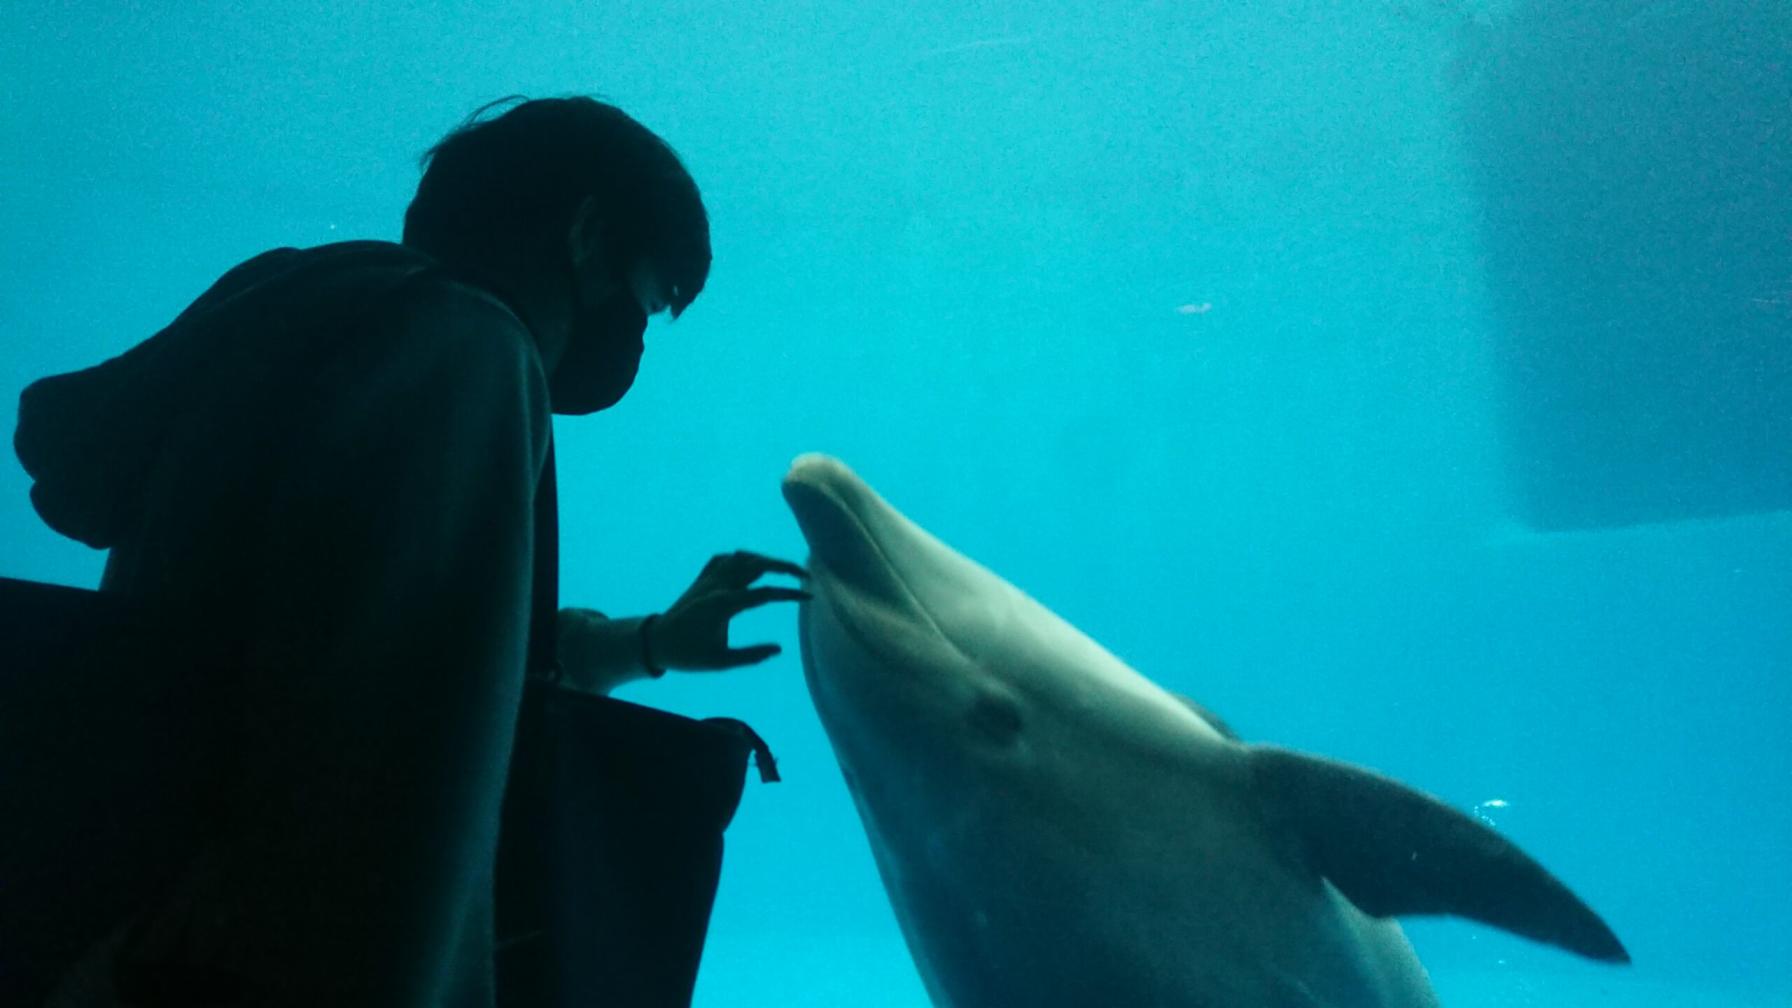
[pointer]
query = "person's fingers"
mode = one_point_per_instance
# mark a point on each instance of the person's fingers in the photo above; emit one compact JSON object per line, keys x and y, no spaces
{"x":742,"y":568}
{"x":751,"y":655}
{"x":742,"y":599}
{"x":773,"y":565}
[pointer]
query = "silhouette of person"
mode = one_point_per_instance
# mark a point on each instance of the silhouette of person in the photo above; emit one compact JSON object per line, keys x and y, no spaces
{"x":329,"y":474}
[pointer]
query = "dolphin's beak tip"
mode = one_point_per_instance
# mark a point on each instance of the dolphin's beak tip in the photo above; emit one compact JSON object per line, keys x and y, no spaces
{"x":818,"y":488}
{"x":814,"y":470}
{"x":810,"y":462}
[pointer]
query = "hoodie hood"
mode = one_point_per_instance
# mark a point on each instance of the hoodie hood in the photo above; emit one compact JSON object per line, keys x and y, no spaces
{"x":90,"y":439}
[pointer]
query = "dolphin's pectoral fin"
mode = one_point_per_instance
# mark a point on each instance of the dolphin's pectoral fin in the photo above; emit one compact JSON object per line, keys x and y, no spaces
{"x":1392,"y":851}
{"x":1218,"y":724}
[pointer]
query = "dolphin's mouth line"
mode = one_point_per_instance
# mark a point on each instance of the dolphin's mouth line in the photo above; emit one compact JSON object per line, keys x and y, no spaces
{"x":859,"y":635}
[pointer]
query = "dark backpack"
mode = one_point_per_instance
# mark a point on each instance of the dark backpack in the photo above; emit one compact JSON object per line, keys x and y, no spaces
{"x":113,"y":756}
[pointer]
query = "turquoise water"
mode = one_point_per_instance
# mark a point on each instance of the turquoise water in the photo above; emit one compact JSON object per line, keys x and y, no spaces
{"x":1179,"y":316}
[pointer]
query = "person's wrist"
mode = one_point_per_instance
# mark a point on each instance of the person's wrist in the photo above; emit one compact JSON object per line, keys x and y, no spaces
{"x":648,"y":661}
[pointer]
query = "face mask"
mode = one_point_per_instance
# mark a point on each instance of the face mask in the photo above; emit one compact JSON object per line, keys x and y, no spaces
{"x":603,"y":353}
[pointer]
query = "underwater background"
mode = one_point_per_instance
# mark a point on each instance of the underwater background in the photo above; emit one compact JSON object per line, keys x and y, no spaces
{"x":1406,"y":380}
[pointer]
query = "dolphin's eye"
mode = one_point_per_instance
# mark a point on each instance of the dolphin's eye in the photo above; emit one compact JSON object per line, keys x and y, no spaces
{"x":997,"y":717}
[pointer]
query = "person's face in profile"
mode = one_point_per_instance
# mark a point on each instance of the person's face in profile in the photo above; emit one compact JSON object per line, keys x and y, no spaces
{"x":604,"y":338}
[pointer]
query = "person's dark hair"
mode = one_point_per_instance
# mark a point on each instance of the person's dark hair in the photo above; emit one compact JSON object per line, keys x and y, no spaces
{"x":508,"y":186}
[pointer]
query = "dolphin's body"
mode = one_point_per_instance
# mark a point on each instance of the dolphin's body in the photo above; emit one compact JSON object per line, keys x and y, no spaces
{"x":1055,"y":830}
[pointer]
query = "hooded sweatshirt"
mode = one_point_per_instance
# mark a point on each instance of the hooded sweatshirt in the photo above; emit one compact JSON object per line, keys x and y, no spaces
{"x":325,"y":473}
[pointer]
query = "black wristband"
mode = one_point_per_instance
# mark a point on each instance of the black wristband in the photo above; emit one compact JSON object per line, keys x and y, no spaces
{"x":653,"y":670}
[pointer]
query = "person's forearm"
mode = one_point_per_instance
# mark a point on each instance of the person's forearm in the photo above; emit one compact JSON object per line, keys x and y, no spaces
{"x":598,"y":654}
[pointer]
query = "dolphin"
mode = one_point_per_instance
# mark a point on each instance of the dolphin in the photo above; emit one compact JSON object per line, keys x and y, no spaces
{"x":1054,"y":829}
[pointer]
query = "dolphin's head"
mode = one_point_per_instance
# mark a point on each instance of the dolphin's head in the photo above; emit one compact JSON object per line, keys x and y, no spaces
{"x":921,"y":659}
{"x":893,"y":610}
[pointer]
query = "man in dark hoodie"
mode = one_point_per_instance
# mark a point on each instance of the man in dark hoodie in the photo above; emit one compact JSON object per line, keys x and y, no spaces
{"x":332,"y":475}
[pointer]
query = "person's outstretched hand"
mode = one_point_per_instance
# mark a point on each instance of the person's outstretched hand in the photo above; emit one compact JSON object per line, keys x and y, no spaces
{"x":693,"y":634}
